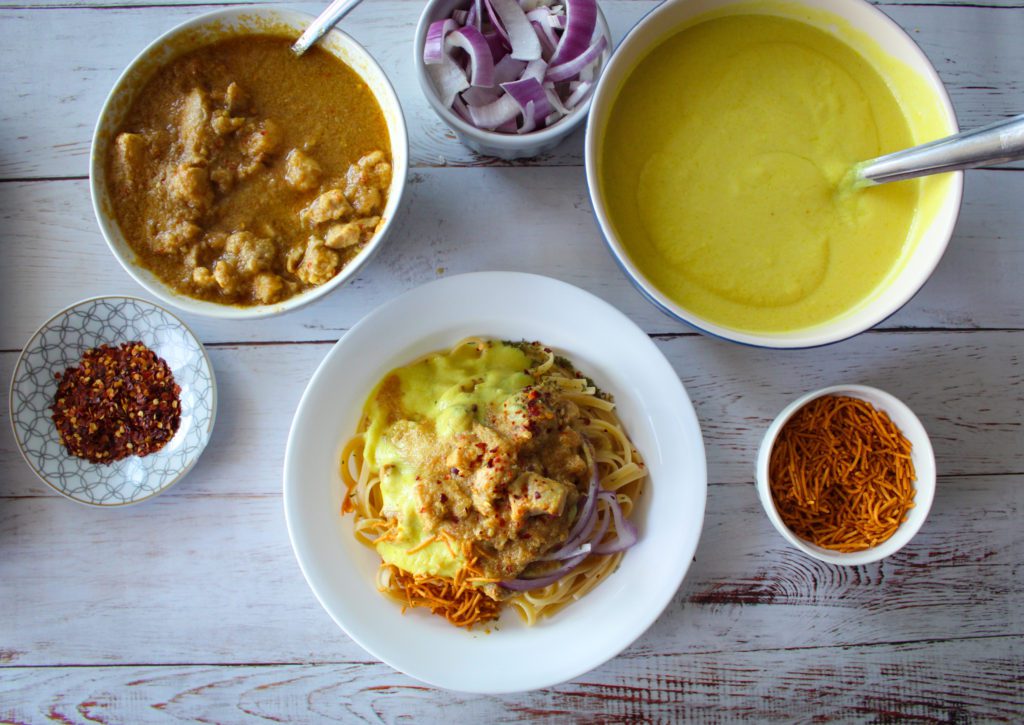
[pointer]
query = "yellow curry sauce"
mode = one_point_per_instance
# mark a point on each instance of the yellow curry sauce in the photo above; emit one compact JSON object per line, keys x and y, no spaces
{"x":244,"y":175}
{"x":723,"y":168}
{"x":470,"y":443}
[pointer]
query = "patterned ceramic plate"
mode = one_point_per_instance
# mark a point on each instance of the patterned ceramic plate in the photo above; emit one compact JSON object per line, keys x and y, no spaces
{"x":59,"y":344}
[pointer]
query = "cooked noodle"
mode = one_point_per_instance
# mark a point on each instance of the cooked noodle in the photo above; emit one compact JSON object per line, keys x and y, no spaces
{"x":461,"y":599}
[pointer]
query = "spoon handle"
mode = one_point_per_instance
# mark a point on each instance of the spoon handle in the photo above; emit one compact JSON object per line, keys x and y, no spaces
{"x":996,"y":143}
{"x":324,"y":22}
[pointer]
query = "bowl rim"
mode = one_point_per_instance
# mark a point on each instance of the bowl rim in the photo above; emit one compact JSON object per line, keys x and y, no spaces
{"x":213,"y":399}
{"x":915,"y":275}
{"x":506,"y":141}
{"x":110,"y":229}
{"x":924,"y":484}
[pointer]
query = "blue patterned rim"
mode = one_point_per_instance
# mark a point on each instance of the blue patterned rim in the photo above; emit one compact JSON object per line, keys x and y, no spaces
{"x":58,"y":344}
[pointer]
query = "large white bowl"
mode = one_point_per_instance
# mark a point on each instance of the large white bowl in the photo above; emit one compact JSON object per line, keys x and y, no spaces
{"x":863,"y":18}
{"x":196,"y":33}
{"x":657,"y":415}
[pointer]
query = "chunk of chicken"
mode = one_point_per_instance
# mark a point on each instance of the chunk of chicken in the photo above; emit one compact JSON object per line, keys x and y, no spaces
{"x":249,"y":253}
{"x":129,"y":156}
{"x":319,"y":264}
{"x":176,"y":236}
{"x":191,"y":186}
{"x":267,"y":287}
{"x":301,"y":170}
{"x":534,"y":495}
{"x":367,"y":182}
{"x":339,"y":236}
{"x":225,"y":276}
{"x":263,"y":141}
{"x":329,"y":206}
{"x":192,"y":125}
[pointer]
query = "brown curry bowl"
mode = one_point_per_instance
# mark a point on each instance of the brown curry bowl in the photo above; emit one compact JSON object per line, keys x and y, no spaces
{"x":196,"y":33}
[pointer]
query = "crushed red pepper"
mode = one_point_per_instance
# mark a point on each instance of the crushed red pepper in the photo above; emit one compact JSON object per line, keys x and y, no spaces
{"x":117,"y":402}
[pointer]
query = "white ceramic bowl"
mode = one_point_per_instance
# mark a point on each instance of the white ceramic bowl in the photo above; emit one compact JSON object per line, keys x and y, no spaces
{"x":655,"y":412}
{"x":490,"y":143}
{"x":59,"y":344}
{"x":863,"y":18}
{"x":194,"y":34}
{"x":921,"y":455}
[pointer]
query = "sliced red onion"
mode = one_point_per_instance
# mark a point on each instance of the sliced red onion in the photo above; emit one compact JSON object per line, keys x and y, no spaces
{"x":478,"y":96}
{"x":433,"y":48}
{"x":529,"y":90}
{"x":525,"y":44}
{"x":626,"y":533}
{"x":508,"y":69}
{"x":497,"y":44}
{"x":524,"y":585}
{"x":503,"y":80}
{"x":459,"y":106}
{"x":481,"y":61}
{"x":495,"y":114}
{"x":577,"y":95}
{"x":579,"y":30}
{"x":571,"y":68}
{"x":449,"y":79}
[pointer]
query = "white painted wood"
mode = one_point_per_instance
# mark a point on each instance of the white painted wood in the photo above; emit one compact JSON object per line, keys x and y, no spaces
{"x":212,"y":580}
{"x":976,"y":680}
{"x":60,"y":85}
{"x":54,"y":254}
{"x":191,"y":607}
{"x":967,"y":388}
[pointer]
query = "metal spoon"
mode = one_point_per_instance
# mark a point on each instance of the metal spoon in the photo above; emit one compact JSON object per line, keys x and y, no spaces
{"x":324,"y":22}
{"x":996,"y":143}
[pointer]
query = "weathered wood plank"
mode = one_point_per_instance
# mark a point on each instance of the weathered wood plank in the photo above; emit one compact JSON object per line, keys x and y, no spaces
{"x":962,"y":681}
{"x":60,"y":85}
{"x":54,"y":255}
{"x":967,"y":388}
{"x":212,"y":579}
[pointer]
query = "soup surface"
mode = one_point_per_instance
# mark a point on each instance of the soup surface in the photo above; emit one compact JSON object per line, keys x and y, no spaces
{"x":723,"y":167}
{"x":244,"y":175}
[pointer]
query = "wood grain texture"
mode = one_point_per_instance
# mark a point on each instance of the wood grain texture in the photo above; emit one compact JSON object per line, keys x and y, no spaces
{"x":54,"y":255}
{"x":60,"y":85}
{"x":212,"y":580}
{"x":952,"y":682}
{"x":967,"y":388}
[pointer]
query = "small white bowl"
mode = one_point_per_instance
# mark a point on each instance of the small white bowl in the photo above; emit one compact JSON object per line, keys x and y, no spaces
{"x":867,"y":24}
{"x":490,"y":143}
{"x":921,"y":454}
{"x":196,"y":33}
{"x":59,"y":344}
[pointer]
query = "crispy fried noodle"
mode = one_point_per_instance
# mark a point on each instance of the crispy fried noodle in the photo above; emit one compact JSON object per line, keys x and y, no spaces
{"x":489,"y":474}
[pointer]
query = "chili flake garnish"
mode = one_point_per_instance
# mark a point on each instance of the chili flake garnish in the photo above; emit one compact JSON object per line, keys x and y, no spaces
{"x":117,"y":402}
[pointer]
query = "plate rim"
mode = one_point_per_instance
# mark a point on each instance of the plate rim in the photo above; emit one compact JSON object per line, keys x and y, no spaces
{"x":289,"y":490}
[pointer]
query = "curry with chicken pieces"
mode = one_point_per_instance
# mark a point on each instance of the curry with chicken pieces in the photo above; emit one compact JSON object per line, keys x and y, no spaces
{"x":244,"y":175}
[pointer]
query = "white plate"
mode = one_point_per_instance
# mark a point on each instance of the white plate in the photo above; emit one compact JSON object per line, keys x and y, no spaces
{"x":657,"y":414}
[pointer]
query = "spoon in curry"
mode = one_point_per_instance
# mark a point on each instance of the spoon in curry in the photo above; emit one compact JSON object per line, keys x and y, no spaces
{"x":324,"y":22}
{"x":996,"y":143}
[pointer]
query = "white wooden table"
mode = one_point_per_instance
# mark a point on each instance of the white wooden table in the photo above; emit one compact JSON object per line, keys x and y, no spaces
{"x":192,"y":608}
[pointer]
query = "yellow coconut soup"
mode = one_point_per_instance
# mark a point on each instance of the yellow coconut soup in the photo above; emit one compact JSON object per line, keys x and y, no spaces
{"x":723,"y":168}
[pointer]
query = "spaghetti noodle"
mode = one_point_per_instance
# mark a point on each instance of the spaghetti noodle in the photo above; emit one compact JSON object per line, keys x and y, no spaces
{"x":841,"y":474}
{"x":490,"y":474}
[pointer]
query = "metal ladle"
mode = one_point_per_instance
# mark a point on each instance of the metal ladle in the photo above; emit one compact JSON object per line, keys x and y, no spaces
{"x":324,"y":22}
{"x":996,"y":143}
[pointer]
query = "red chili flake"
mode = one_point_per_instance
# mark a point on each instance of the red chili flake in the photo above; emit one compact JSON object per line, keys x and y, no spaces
{"x":444,"y":498}
{"x":117,"y":402}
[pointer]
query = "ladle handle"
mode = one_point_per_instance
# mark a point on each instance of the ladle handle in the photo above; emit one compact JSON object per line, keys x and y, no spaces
{"x":996,"y":143}
{"x":324,"y":22}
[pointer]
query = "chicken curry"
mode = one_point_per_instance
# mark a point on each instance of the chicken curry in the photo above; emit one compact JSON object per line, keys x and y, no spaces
{"x":244,"y":175}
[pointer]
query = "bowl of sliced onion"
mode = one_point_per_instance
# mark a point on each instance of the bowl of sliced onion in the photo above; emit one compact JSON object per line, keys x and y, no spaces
{"x":512,"y":79}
